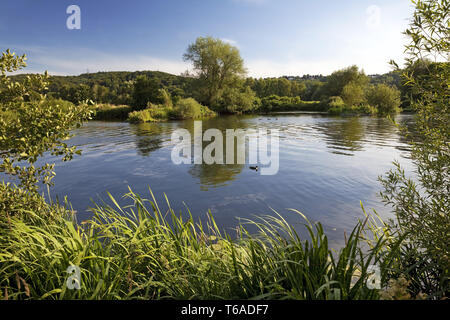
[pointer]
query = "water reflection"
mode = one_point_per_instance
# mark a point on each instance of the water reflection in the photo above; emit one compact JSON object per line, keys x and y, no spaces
{"x":344,"y":136}
{"x":327,"y":165}
{"x":217,"y":175}
{"x":148,"y":137}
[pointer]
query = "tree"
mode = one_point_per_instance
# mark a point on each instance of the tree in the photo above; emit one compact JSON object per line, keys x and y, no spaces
{"x":385,"y":98}
{"x":421,"y":205}
{"x":218,"y":65}
{"x":339,"y":79}
{"x":238,"y":100}
{"x":146,"y":90}
{"x":31,"y":124}
{"x":353,"y":94}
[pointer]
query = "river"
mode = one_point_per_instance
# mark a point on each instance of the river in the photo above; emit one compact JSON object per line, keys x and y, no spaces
{"x":327,"y":165}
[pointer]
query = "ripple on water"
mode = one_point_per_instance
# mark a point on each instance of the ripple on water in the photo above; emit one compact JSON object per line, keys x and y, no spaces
{"x":327,"y":165}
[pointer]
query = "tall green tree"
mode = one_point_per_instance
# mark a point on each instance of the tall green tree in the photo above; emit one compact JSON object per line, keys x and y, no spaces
{"x":217,"y":65}
{"x":337,"y":81}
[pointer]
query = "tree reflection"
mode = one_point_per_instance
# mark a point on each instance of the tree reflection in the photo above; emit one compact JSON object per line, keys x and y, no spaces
{"x":344,"y":136}
{"x":148,"y":137}
{"x":218,"y":174}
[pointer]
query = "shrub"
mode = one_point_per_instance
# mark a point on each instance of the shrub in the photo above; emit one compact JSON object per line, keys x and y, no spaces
{"x":421,"y":203}
{"x":140,"y":116}
{"x":190,"y":109}
{"x":276,"y":103}
{"x":353,"y":94}
{"x":166,"y":98}
{"x":386,"y":99}
{"x":184,"y":109}
{"x":111,"y":112}
{"x":353,"y":110}
{"x":35,"y":125}
{"x":146,"y":90}
{"x":236,"y":100}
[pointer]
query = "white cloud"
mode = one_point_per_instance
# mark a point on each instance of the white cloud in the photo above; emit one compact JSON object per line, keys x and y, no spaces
{"x":230,"y":41}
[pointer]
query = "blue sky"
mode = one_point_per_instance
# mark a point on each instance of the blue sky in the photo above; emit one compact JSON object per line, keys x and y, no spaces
{"x":275,"y":37}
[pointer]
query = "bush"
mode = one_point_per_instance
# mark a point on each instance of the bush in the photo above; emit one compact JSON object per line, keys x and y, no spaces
{"x":353,"y":94}
{"x":275,"y":103}
{"x":353,"y":110}
{"x":111,"y":112}
{"x":190,"y":109}
{"x":35,"y":125}
{"x":141,"y":116}
{"x":386,"y":99}
{"x":146,"y":90}
{"x":421,"y":203}
{"x":184,"y":109}
{"x":16,"y":201}
{"x":235,"y":100}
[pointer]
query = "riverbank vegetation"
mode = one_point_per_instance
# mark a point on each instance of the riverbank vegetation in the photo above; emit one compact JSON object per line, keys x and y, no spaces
{"x":218,"y":81}
{"x":111,"y":112}
{"x":183,"y":109}
{"x":142,"y":252}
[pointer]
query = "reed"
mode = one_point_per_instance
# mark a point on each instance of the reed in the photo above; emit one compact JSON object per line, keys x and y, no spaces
{"x":141,"y":252}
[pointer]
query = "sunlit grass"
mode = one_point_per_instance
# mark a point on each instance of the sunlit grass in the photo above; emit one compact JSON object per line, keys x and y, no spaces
{"x":141,"y":252}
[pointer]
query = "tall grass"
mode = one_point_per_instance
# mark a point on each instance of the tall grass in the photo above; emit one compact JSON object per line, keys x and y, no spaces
{"x":141,"y":252}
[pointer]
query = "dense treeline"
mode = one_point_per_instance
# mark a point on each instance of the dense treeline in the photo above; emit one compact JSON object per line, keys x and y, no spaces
{"x":138,"y":89}
{"x":219,"y":83}
{"x":112,"y":87}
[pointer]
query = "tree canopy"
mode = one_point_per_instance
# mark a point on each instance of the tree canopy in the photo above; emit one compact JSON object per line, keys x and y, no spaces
{"x":217,"y":66}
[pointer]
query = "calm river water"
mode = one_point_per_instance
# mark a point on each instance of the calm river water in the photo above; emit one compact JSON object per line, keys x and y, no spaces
{"x":327,"y":165}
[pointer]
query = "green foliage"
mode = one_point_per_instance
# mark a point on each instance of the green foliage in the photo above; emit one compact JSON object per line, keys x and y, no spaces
{"x":142,"y":116}
{"x":237,"y":100}
{"x":276,"y":86}
{"x":353,"y":94}
{"x":356,"y":96}
{"x":17,"y":202}
{"x":139,"y":252}
{"x":275,"y":103}
{"x":338,"y":80}
{"x":111,"y":112}
{"x":362,"y":109}
{"x":336,"y":102}
{"x":146,"y":90}
{"x":218,"y":66}
{"x":184,"y":109}
{"x":111,"y":87}
{"x":34,"y":125}
{"x":421,"y":205}
{"x":386,"y":99}
{"x":190,"y":109}
{"x":166,"y":98}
